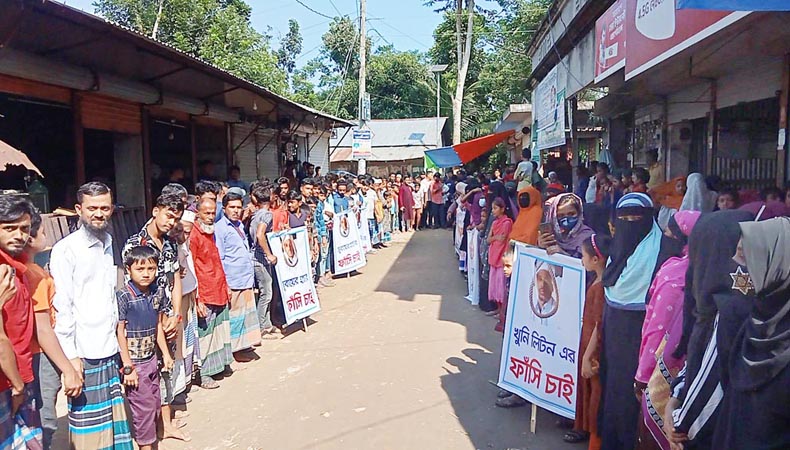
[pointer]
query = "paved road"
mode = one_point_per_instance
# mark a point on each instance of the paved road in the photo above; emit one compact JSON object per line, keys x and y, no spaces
{"x":397,"y":359}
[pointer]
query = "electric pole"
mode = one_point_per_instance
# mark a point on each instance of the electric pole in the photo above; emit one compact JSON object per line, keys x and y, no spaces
{"x":362,"y":74}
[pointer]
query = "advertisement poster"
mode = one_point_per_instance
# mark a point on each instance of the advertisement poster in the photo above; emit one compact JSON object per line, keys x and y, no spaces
{"x":294,"y":273}
{"x":347,"y":248}
{"x":543,"y":329}
{"x":657,"y":31}
{"x":549,"y":103}
{"x":473,"y":265}
{"x":361,"y":144}
{"x":610,"y":41}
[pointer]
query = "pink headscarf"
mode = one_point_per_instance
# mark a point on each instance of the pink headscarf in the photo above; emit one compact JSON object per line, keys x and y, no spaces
{"x":664,"y":313}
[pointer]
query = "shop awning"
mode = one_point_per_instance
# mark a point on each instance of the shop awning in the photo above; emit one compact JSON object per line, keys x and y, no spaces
{"x":9,"y":156}
{"x":735,"y":5}
{"x":466,"y":151}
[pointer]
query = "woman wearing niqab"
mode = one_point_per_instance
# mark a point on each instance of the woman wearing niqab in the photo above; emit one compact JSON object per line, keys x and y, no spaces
{"x":634,"y":258}
{"x":755,"y":412}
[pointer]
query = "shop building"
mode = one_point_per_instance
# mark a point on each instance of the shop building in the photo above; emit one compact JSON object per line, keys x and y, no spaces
{"x":88,"y":100}
{"x":706,"y":89}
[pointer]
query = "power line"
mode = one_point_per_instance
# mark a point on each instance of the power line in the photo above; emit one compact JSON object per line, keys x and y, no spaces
{"x":313,"y":10}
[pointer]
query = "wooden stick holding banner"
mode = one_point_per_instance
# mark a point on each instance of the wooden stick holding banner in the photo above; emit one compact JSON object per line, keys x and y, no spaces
{"x":543,"y":330}
{"x":304,"y":325}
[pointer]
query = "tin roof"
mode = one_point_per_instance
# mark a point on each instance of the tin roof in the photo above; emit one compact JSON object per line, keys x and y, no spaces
{"x":52,"y":29}
{"x":417,"y":132}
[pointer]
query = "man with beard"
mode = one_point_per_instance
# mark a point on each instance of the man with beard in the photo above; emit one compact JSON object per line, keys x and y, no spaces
{"x":85,"y":322}
{"x":234,"y":251}
{"x":17,"y":325}
{"x":156,"y":235}
{"x":212,"y":300}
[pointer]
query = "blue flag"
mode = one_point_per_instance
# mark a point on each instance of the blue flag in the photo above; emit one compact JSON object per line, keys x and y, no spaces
{"x":735,"y":5}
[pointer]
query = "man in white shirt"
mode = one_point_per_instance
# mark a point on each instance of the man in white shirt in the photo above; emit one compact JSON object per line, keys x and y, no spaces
{"x":370,"y":197}
{"x":523,"y":173}
{"x":425,"y":194}
{"x":85,"y":322}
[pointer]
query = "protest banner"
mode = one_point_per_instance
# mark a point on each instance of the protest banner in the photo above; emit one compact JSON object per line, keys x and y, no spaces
{"x":473,"y":266}
{"x":294,"y":273}
{"x":460,"y":216}
{"x":347,"y":248}
{"x":542,"y":329}
{"x":364,"y":231}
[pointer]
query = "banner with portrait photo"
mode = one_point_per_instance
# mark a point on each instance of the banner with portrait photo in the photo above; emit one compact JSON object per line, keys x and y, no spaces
{"x":294,"y":273}
{"x":347,"y":247}
{"x":473,"y":265}
{"x":543,"y":328}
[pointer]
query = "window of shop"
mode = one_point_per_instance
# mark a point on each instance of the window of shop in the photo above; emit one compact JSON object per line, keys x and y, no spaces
{"x":746,"y":153}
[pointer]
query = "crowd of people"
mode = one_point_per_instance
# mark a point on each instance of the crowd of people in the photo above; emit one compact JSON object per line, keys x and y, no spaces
{"x":198,"y":294}
{"x":685,"y":337}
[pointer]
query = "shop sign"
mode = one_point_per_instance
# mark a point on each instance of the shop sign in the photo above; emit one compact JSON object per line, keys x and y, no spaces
{"x":610,"y":41}
{"x":657,"y":31}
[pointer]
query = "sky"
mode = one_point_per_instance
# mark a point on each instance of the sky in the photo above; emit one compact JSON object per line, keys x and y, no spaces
{"x":406,"y":24}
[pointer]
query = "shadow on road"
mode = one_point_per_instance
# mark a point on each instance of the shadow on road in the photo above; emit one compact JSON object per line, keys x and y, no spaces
{"x":428,"y":266}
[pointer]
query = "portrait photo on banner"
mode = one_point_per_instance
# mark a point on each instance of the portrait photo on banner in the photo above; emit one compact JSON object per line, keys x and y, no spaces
{"x":543,"y":329}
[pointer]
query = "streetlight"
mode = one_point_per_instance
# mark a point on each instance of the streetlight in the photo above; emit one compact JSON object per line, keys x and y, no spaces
{"x":438,"y":69}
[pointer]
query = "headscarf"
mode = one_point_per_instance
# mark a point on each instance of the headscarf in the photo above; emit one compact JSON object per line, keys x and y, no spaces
{"x":634,"y":254}
{"x":460,"y":188}
{"x":570,"y":243}
{"x":525,"y":229}
{"x":497,"y":190}
{"x":667,"y":195}
{"x":698,"y":197}
{"x":711,"y":246}
{"x":766,"y":210}
{"x":763,"y":344}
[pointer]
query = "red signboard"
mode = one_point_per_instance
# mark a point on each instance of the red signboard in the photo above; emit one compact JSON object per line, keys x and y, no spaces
{"x":610,"y":41}
{"x":657,"y":31}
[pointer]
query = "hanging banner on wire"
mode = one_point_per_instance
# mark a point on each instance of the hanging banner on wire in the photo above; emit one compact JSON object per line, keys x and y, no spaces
{"x":473,"y":265}
{"x":347,"y":248}
{"x":542,"y":329}
{"x":294,"y":273}
{"x":549,"y":103}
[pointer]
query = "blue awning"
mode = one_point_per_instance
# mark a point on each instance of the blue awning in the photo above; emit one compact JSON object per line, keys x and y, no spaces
{"x":735,"y":5}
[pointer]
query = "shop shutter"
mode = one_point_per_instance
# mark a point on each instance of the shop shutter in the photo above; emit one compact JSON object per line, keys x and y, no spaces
{"x":268,"y":157}
{"x":319,"y":154}
{"x":244,"y":143}
{"x":109,"y":114}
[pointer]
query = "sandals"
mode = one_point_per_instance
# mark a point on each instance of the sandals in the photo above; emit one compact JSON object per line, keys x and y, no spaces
{"x":208,"y":383}
{"x":576,"y":436}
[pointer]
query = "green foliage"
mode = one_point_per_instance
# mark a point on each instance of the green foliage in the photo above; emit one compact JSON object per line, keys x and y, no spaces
{"x":218,"y":31}
{"x":290,"y":47}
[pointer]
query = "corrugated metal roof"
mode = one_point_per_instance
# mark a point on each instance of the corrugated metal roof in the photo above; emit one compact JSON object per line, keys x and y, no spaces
{"x":420,"y":132}
{"x":89,"y":46}
{"x":383,"y":153}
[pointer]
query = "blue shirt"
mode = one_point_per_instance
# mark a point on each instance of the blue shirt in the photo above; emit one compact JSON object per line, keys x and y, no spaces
{"x":140,"y":311}
{"x":234,"y":251}
{"x":320,"y":220}
{"x":341,"y":203}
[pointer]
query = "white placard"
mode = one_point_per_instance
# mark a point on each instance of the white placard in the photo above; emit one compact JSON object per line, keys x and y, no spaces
{"x":294,"y":273}
{"x":543,"y":329}
{"x":347,"y":248}
{"x":473,"y":265}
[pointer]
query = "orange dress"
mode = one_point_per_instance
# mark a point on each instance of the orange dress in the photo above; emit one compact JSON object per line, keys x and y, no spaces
{"x":588,"y":397}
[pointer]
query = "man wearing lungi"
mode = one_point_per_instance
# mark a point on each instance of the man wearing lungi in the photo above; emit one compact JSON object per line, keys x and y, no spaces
{"x":212,"y":299}
{"x":234,"y":251}
{"x":86,"y":320}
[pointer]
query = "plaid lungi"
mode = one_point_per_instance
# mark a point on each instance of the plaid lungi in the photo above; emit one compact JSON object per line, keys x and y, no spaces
{"x":214,"y":340}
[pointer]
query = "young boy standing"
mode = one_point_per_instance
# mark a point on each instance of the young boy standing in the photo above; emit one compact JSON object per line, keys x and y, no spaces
{"x":140,"y":332}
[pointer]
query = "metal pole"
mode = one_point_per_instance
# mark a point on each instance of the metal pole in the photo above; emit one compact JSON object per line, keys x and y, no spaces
{"x":362,"y":75}
{"x":438,"y":109}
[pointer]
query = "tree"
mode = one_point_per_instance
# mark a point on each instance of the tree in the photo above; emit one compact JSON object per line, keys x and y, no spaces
{"x":218,"y":31}
{"x":464,"y":14}
{"x":290,"y":48}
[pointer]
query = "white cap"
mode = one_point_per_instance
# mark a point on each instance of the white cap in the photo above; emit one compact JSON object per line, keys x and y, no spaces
{"x":188,"y":216}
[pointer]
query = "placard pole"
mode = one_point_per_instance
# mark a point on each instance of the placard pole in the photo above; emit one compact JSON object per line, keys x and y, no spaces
{"x":533,"y":421}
